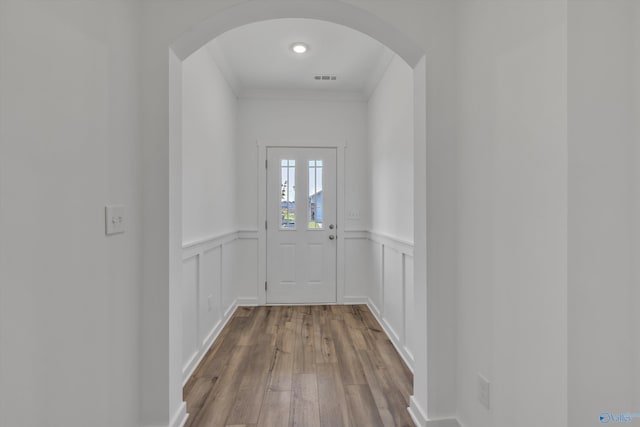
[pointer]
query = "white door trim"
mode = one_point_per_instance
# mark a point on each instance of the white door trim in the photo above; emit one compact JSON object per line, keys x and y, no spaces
{"x":262,"y":146}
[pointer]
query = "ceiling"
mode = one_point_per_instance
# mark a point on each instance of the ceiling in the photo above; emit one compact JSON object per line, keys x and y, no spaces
{"x":258,"y":57}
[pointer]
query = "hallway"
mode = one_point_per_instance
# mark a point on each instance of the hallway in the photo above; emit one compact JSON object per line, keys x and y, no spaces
{"x":489,"y":208}
{"x":300,"y":366}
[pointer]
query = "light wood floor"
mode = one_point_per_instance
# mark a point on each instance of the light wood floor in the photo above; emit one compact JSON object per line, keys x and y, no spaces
{"x":301,"y":366}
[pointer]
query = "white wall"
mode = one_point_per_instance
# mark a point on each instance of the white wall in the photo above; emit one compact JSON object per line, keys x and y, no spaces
{"x":77,"y":116}
{"x":358,"y":267}
{"x":69,"y":145}
{"x":96,"y":107}
{"x":208,"y":150}
{"x":603,"y":359}
{"x":220,"y":263}
{"x":390,"y":144}
{"x":299,"y":119}
{"x":302,"y":121}
{"x":390,"y":171}
{"x":296,"y":119}
{"x":245,"y":279}
{"x":512,"y":212}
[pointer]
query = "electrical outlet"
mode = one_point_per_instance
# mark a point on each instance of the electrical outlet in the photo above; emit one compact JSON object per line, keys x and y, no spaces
{"x":115,"y":218}
{"x":484,"y":391}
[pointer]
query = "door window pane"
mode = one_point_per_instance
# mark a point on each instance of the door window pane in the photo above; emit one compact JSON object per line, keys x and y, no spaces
{"x":314,"y":205}
{"x":288,"y":195}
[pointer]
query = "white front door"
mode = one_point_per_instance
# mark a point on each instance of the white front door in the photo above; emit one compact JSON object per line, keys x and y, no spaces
{"x":301,"y":225}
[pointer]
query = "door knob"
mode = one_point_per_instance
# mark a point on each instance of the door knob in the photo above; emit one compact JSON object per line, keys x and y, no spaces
{"x":331,"y":237}
{"x":331,"y":226}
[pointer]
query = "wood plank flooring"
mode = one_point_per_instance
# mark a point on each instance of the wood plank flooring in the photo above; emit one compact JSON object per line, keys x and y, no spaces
{"x":306,"y":366}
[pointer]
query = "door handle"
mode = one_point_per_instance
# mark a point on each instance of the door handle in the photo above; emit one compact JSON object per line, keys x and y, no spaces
{"x":331,"y":237}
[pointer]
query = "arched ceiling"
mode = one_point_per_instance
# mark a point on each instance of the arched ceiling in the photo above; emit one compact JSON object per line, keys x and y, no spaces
{"x":258,"y":57}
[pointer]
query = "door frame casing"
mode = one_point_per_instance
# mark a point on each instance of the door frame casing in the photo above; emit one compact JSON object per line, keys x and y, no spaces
{"x":262,"y":146}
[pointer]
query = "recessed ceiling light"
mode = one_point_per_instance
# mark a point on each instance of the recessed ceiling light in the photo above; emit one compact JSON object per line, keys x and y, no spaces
{"x":299,"y":47}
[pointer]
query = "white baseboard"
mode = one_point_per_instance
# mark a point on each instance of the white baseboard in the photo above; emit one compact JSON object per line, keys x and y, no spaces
{"x":190,"y":366}
{"x":409,"y":355}
{"x":417,"y":414}
{"x":445,"y":422}
{"x":355,"y":300}
{"x":180,"y":417}
{"x":215,"y":331}
{"x":374,"y":308}
{"x":231,"y":309}
{"x":420,"y":417}
{"x":390,"y":331}
{"x":393,"y":337}
{"x":195,"y":361}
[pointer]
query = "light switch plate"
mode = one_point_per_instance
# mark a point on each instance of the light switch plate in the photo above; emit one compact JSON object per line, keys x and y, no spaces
{"x":115,"y":219}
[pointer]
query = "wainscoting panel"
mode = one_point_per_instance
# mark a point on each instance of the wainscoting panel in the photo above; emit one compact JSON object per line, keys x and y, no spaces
{"x":376,"y":265}
{"x":190,"y":280}
{"x":221,"y":273}
{"x":210,"y":308}
{"x":393,"y":282}
{"x":228,"y":274}
{"x":409,"y":308}
{"x":246,"y":279}
{"x":210,"y":293}
{"x":391,"y":291}
{"x":357,"y":268}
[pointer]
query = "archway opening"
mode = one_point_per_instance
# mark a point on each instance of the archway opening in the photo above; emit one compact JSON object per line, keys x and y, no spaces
{"x":246,"y":14}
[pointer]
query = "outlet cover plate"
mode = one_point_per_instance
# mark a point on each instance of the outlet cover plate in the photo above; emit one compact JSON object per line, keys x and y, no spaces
{"x":115,"y":219}
{"x":484,"y":391}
